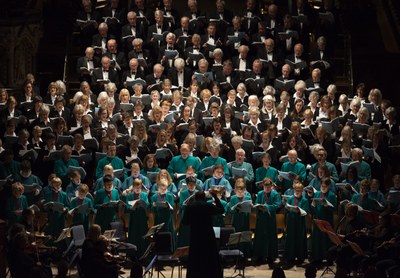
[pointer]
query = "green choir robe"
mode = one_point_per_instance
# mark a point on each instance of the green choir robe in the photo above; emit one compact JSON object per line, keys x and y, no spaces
{"x":179,"y":165}
{"x":56,"y":220}
{"x":249,"y":178}
{"x":184,"y":230}
{"x":241,"y":221}
{"x":271,"y":172}
{"x":211,"y":161}
{"x":171,"y":188}
{"x":105,"y":215}
{"x":363,"y":201}
{"x":219,"y":220}
{"x":138,"y":225}
{"x":298,"y":168}
{"x":320,"y":241}
{"x":100,"y":184}
{"x":14,"y":208}
{"x":265,"y":238}
{"x":331,"y":168}
{"x":296,"y":234}
{"x":81,"y":218}
{"x":223,"y":182}
{"x":163,"y":214}
{"x":316,"y":184}
{"x":129,"y":181}
{"x":61,"y":169}
{"x":7,"y":169}
{"x":115,"y":162}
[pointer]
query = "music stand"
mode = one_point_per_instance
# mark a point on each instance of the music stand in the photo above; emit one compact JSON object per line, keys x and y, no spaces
{"x":327,"y":229}
{"x":151,"y":233}
{"x":234,"y":240}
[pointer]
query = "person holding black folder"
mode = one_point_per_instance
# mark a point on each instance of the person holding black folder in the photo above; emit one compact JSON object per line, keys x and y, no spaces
{"x":80,"y":216}
{"x":53,"y":195}
{"x":204,"y":260}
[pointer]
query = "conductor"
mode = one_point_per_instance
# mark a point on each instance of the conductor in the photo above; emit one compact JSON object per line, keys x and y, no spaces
{"x":203,"y":253}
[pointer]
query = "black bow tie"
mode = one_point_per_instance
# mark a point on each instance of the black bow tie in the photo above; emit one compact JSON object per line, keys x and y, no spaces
{"x":133,"y":73}
{"x":298,"y":57}
{"x":270,"y":53}
{"x":90,"y":60}
{"x":196,"y":48}
{"x":185,"y":30}
{"x":105,"y":70}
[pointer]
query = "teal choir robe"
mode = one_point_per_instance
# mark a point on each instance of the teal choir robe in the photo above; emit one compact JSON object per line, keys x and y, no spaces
{"x":331,"y":168}
{"x":223,"y":182}
{"x":13,"y":206}
{"x":320,"y":241}
{"x":105,"y":215}
{"x":179,"y":165}
{"x":171,"y":188}
{"x":115,"y":162}
{"x":71,"y":190}
{"x":163,"y":214}
{"x":211,"y":161}
{"x":270,"y":172}
{"x":56,"y":220}
{"x":265,"y":238}
{"x":316,"y":184}
{"x":129,"y":181}
{"x":61,"y":169}
{"x":298,"y":168}
{"x":81,"y":218}
{"x":138,"y":225}
{"x":296,"y":234}
{"x":249,"y":178}
{"x":363,"y":201}
{"x":100,"y":184}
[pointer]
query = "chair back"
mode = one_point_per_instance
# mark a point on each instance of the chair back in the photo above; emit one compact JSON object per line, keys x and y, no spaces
{"x":78,"y":235}
{"x":163,"y":244}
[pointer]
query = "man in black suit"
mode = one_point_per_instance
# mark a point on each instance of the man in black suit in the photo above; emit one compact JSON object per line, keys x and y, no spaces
{"x":231,"y":47}
{"x":285,"y":77}
{"x":183,"y":35}
{"x":144,"y":15}
{"x":103,"y":75}
{"x":168,"y":61}
{"x":158,"y":28}
{"x":155,"y":77}
{"x":251,"y":18}
{"x":171,"y":15}
{"x":321,"y":58}
{"x":87,"y":28}
{"x":134,"y":72}
{"x":86,"y":64}
{"x":99,"y":41}
{"x":197,"y":19}
{"x":222,"y":16}
{"x":272,"y":57}
{"x":227,"y":78}
{"x":131,"y":31}
{"x":114,"y":15}
{"x":287,"y":44}
{"x":143,"y":55}
{"x":272,"y":21}
{"x":180,"y":75}
{"x":196,"y":49}
{"x":118,"y":60}
{"x":210,"y":41}
{"x":316,"y":82}
{"x":243,"y":62}
{"x":254,"y":88}
{"x":299,"y":62}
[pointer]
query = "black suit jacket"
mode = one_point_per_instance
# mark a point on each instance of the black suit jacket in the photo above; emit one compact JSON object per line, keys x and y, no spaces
{"x":98,"y":75}
{"x":183,"y":41}
{"x":66,"y":113}
{"x":304,"y":72}
{"x":120,"y":59}
{"x":187,"y":76}
{"x":126,"y":31}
